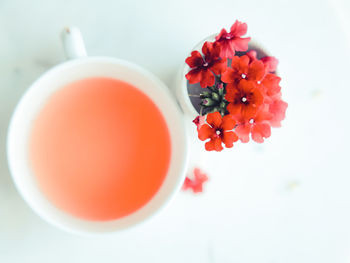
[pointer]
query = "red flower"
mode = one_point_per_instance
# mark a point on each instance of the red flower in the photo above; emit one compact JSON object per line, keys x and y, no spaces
{"x":258,"y":126}
{"x":196,"y":184}
{"x":232,"y":41}
{"x":204,"y":68}
{"x":218,"y":130}
{"x":241,"y":68}
{"x":245,"y":98}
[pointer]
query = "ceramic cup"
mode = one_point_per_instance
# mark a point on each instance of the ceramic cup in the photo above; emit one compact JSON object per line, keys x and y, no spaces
{"x":80,"y":66}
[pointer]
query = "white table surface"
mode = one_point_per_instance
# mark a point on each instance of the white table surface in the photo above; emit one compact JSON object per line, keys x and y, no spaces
{"x":285,"y":201}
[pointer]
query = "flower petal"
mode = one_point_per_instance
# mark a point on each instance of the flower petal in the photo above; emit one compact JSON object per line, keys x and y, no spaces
{"x":243,"y":131}
{"x":199,"y":175}
{"x":222,"y":33}
{"x":207,"y":48}
{"x":216,"y":50}
{"x":199,"y":121}
{"x":214,"y":119}
{"x":271,"y":84}
{"x":211,"y":51}
{"x":252,"y":54}
{"x":218,"y":144}
{"x":229,"y":138}
{"x":199,"y":179}
{"x":194,"y":76}
{"x":195,"y":60}
{"x":240,"y":44}
{"x":278,"y":109}
{"x":231,"y":92}
{"x":229,"y":76}
{"x":227,"y":50}
{"x":263,"y":115}
{"x":261,"y":131}
{"x":219,"y":66}
{"x":207,"y":78}
{"x":187,"y":184}
{"x":256,"y":71}
{"x":246,"y":86}
{"x":210,"y":145}
{"x":249,"y":111}
{"x":270,"y":62}
{"x":258,"y":97}
{"x":205,"y":132}
{"x":214,"y":144}
{"x":196,"y":184}
{"x":228,"y":123}
{"x":240,"y":64}
{"x":239,"y":29}
{"x":234,"y":109}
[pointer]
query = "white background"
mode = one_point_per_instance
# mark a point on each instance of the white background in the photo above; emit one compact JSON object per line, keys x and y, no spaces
{"x":285,"y":201}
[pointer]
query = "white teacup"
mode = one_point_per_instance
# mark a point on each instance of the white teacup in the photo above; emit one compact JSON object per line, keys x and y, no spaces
{"x":79,"y":67}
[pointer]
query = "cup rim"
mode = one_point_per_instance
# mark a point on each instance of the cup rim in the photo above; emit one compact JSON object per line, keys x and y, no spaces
{"x":181,"y":160}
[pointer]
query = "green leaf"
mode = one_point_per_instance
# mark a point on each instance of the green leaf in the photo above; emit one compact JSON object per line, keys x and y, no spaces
{"x":208,"y":102}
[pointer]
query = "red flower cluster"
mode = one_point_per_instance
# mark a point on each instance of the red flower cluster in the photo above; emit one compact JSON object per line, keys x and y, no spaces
{"x":252,"y":97}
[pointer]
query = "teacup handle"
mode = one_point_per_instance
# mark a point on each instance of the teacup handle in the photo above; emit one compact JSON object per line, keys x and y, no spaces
{"x":73,"y":43}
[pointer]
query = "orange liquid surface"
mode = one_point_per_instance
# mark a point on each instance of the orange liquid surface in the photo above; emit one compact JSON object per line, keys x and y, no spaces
{"x":99,"y":149}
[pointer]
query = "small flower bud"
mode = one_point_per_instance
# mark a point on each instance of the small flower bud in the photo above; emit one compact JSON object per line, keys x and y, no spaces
{"x":208,"y":102}
{"x":220,"y":87}
{"x":215,"y":96}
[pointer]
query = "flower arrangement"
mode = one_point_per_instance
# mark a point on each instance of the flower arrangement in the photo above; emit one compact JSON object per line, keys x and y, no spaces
{"x":241,"y":95}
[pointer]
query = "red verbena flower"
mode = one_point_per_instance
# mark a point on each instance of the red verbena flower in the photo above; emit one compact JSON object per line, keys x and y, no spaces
{"x":204,"y":68}
{"x":258,"y":126}
{"x":244,"y":99}
{"x":241,"y":68}
{"x":196,"y":184}
{"x":230,"y":42}
{"x":219,"y":130}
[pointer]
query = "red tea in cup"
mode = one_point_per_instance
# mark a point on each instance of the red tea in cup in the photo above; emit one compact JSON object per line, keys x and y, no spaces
{"x":99,"y":149}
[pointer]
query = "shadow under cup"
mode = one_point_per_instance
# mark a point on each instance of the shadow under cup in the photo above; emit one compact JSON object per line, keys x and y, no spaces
{"x":33,"y":101}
